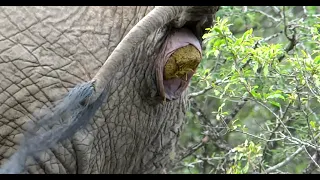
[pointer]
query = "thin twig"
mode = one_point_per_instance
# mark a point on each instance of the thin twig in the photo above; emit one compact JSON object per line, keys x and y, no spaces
{"x":236,"y":109}
{"x":276,"y":10}
{"x":195,"y":94}
{"x":299,"y":142}
{"x":286,"y":161}
{"x":310,"y":167}
{"x":314,"y":162}
{"x":190,"y":151}
{"x":267,"y":140}
{"x":265,"y":14}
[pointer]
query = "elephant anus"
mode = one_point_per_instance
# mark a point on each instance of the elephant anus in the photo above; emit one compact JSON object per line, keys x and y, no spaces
{"x":95,"y":89}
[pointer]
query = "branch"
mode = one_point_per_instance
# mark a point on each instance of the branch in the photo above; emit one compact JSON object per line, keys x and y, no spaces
{"x":258,"y":43}
{"x":271,"y":37}
{"x":190,"y":151}
{"x":205,"y":161}
{"x":263,"y":139}
{"x":206,"y":89}
{"x":236,"y":109}
{"x":195,"y":94}
{"x":293,"y":40}
{"x":222,"y":144}
{"x":201,"y":114}
{"x":306,"y":13}
{"x":265,"y":14}
{"x":217,"y":139}
{"x":314,"y":159}
{"x":270,"y":144}
{"x":286,"y":161}
{"x":298,"y":141}
{"x":276,"y":10}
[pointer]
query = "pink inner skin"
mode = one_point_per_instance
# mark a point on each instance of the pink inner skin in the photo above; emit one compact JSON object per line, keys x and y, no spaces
{"x":173,"y":88}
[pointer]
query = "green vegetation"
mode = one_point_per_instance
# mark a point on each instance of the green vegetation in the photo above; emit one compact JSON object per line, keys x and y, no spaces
{"x":254,"y":100}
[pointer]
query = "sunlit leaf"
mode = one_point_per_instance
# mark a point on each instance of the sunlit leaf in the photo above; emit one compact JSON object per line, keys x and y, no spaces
{"x":246,"y":34}
{"x":265,"y":70}
{"x":218,"y":30}
{"x":317,"y":60}
{"x":246,"y":168}
{"x":275,"y":103}
{"x":313,"y":124}
{"x":275,"y":96}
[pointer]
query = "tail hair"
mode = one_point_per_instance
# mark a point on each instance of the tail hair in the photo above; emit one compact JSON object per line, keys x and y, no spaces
{"x":70,"y":114}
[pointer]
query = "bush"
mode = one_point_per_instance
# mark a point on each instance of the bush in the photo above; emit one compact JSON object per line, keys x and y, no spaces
{"x":254,"y":101}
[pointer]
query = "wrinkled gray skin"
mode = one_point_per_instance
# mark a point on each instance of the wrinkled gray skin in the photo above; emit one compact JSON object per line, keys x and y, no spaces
{"x":46,"y":51}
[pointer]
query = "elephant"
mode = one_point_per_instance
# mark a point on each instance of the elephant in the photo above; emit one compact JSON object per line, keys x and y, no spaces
{"x":135,"y":64}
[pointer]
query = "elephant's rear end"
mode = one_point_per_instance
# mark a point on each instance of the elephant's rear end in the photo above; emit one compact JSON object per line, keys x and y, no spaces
{"x":46,"y":51}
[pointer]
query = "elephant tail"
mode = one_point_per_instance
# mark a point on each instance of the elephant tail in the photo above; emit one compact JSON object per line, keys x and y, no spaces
{"x":69,"y":115}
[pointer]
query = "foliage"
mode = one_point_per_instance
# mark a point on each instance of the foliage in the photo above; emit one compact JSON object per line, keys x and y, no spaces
{"x":254,"y":101}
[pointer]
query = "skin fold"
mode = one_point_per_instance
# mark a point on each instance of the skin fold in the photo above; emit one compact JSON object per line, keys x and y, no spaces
{"x":47,"y":51}
{"x":176,"y":82}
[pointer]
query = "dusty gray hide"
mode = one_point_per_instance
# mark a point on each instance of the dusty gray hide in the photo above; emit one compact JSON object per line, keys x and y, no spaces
{"x":113,"y":55}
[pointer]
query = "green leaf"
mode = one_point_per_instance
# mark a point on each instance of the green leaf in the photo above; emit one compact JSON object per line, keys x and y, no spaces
{"x":226,"y":87}
{"x":246,"y":168}
{"x":265,"y":70}
{"x":216,"y":92}
{"x":218,"y":42}
{"x":255,"y":67}
{"x":243,"y":80}
{"x":240,"y":149}
{"x":275,"y":96}
{"x":304,"y":53}
{"x":246,"y":142}
{"x":255,"y":95}
{"x":216,"y":53}
{"x":217,"y":117}
{"x":246,"y":34}
{"x":207,"y":35}
{"x":234,"y":127}
{"x":317,"y":60}
{"x":217,"y":30}
{"x":275,"y":104}
{"x":313,"y":124}
{"x":220,"y":108}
